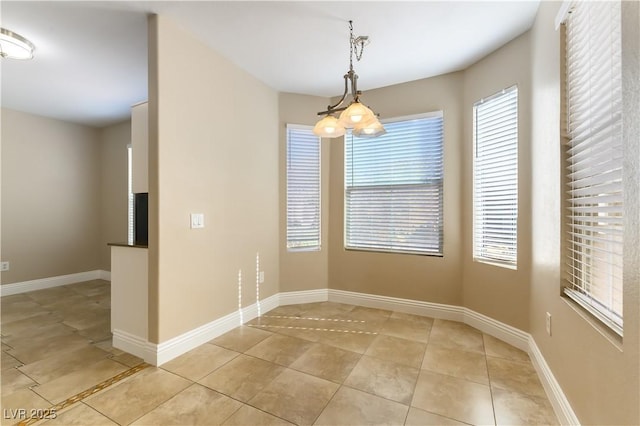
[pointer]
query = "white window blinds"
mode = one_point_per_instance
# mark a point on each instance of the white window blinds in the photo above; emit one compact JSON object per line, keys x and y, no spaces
{"x":394,"y":188}
{"x":303,"y":189}
{"x":495,"y":179}
{"x":594,"y":156}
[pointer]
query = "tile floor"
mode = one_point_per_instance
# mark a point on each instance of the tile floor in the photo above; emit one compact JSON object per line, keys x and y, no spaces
{"x":321,"y":363}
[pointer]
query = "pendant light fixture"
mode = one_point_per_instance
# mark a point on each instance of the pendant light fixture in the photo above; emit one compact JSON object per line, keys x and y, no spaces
{"x":356,"y":115}
{"x":14,"y":46}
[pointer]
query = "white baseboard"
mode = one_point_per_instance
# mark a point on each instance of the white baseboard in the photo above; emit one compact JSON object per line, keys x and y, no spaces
{"x":172,"y":348}
{"x":506,"y":333}
{"x":561,"y":406}
{"x":407,"y":306}
{"x":41,"y":284}
{"x":299,"y":297}
{"x":166,"y":351}
{"x":134,"y":345}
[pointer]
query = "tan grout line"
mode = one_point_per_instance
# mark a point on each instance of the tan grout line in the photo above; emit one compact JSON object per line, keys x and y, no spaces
{"x":52,"y":411}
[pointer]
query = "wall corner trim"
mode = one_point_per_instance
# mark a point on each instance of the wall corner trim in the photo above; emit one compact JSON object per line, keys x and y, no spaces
{"x":41,"y":284}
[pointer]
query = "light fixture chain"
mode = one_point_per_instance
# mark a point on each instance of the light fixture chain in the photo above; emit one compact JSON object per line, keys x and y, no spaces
{"x":351,"y":46}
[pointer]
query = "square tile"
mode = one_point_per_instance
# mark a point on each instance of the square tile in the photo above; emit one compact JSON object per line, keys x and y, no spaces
{"x":327,"y":362}
{"x":302,"y":328}
{"x":354,"y":407}
{"x":200,"y":361}
{"x":241,"y":338}
{"x":132,"y":398}
{"x":196,"y":405}
{"x":365,"y":319}
{"x":515,"y":376}
{"x":401,"y":351}
{"x":63,"y":387}
{"x":465,"y":365}
{"x":62,"y":363}
{"x":418,"y":417}
{"x":326,"y":309}
{"x":354,"y":341}
{"x":384,"y":378}
{"x":38,"y":349}
{"x":410,"y":330}
{"x":456,"y":335}
{"x":513,"y":408}
{"x":243,"y":377}
{"x":248,"y":415}
{"x":295,"y":397}
{"x":8,"y":361}
{"x":13,"y":380}
{"x":80,"y":415}
{"x":24,"y":399}
{"x":499,"y":349}
{"x":454,"y":398}
{"x":283,"y":350}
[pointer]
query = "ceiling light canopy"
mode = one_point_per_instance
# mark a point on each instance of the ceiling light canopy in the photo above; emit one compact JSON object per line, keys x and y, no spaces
{"x":356,"y":115}
{"x":14,"y":46}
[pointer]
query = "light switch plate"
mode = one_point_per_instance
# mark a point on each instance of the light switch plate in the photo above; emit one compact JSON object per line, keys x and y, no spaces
{"x":197,"y":220}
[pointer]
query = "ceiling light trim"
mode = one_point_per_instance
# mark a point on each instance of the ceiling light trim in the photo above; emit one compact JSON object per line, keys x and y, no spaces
{"x":15,"y":46}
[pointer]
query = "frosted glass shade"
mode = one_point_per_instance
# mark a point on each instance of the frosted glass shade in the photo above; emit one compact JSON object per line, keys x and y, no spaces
{"x":356,"y":113}
{"x":15,"y":46}
{"x":371,"y":129}
{"x":329,"y":127}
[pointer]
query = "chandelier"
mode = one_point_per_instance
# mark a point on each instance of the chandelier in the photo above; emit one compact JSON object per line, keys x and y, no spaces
{"x":15,"y":46}
{"x":356,"y":115}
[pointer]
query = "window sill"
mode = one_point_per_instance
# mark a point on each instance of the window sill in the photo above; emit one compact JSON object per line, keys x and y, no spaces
{"x":504,"y":265}
{"x":614,"y":338}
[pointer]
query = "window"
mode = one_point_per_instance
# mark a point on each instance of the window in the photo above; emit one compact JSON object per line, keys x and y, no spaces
{"x":129,"y":194}
{"x":495,"y":179}
{"x":594,"y":157}
{"x":303,"y":189}
{"x":394,"y":188}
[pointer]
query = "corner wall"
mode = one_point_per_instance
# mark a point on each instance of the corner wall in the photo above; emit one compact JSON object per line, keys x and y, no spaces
{"x":113,"y":189}
{"x":213,"y":149}
{"x":303,"y":270}
{"x":51,"y":214}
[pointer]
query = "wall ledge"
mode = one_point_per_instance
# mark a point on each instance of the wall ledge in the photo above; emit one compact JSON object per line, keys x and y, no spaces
{"x":41,"y":284}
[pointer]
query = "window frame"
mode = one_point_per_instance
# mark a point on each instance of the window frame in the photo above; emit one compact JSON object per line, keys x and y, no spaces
{"x":608,"y":319}
{"x":479,"y":253}
{"x":440,"y":249}
{"x":289,"y":243}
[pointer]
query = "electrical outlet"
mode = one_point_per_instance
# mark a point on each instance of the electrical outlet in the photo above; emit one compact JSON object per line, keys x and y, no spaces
{"x":261,"y":277}
{"x":548,"y":323}
{"x":4,"y":266}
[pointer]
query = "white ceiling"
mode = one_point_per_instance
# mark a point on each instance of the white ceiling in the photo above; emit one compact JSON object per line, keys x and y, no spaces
{"x":90,"y":62}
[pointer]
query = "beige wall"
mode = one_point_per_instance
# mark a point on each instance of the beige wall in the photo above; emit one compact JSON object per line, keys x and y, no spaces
{"x":499,"y":292}
{"x":51,"y":214}
{"x":306,"y":270}
{"x":113,"y":188}
{"x":213,"y":149}
{"x":427,"y":278}
{"x":598,"y":375}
